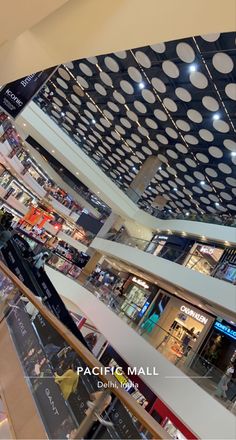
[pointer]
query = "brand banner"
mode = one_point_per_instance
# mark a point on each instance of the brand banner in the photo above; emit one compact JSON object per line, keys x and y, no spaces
{"x":56,"y":415}
{"x":38,"y":282}
{"x":16,"y":95}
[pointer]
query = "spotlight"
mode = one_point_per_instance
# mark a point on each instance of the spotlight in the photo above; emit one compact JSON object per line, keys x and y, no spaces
{"x":193,"y":68}
{"x":175,"y":189}
{"x":217,"y":204}
{"x":141,"y":85}
{"x":216,"y":116}
{"x":233,"y":153}
{"x":202,"y":182}
{"x":133,"y":168}
{"x":93,"y":121}
{"x":187,"y":213}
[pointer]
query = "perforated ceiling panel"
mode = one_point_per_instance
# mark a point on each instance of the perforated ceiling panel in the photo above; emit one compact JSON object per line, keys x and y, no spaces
{"x":175,"y":100}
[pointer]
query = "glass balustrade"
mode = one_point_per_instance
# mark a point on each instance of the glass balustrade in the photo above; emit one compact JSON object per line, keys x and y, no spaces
{"x":74,"y":396}
{"x":191,"y":260}
{"x":198,"y":368}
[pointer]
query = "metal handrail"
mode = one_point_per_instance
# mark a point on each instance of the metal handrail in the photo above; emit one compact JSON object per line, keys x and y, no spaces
{"x":127,"y":400}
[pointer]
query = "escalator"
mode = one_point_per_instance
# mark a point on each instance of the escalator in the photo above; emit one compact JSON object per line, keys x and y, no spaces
{"x":16,"y":254}
{"x":33,"y":378}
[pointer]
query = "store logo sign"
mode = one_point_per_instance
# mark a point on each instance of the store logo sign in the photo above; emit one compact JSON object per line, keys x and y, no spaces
{"x":225,"y":329}
{"x":141,"y":283}
{"x":194,"y":314}
{"x":207,"y":250}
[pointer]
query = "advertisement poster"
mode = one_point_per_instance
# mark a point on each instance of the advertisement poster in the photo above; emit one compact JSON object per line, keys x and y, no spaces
{"x":16,"y":95}
{"x":39,"y":375}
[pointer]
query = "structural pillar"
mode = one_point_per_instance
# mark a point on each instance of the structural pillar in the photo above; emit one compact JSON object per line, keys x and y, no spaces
{"x":108,"y":225}
{"x":95,"y":258}
{"x":143,"y":178}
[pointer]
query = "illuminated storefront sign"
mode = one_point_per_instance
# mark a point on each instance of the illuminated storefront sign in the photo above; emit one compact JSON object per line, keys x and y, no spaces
{"x":141,"y":283}
{"x":225,"y":329}
{"x":207,"y":250}
{"x":194,"y":314}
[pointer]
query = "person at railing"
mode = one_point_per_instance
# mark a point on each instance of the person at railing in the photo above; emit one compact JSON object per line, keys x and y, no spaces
{"x":6,"y":230}
{"x":40,"y":259}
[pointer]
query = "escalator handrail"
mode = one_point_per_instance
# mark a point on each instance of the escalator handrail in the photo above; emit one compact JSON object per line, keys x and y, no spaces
{"x":128,"y":401}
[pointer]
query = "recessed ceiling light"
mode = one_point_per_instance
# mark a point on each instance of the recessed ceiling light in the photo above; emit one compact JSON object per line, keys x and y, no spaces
{"x":187,"y":213}
{"x":169,"y":210}
{"x":77,"y":173}
{"x":141,"y":85}
{"x":53,"y":151}
{"x":98,"y":192}
{"x":175,"y":189}
{"x":159,"y":168}
{"x":133,"y":168}
{"x":192,"y":68}
{"x":233,"y":153}
{"x":84,"y":138}
{"x":24,"y":125}
{"x":93,"y":121}
{"x":202,"y":182}
{"x":217,"y":204}
{"x":216,"y":116}
{"x":62,"y":114}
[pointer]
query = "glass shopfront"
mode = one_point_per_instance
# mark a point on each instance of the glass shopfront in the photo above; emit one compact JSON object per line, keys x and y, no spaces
{"x":203,"y":258}
{"x":180,"y":329}
{"x":138,"y":297}
{"x":220,"y":346}
{"x":18,"y":191}
{"x":16,"y":215}
{"x":5,"y":179}
{"x":156,"y":244}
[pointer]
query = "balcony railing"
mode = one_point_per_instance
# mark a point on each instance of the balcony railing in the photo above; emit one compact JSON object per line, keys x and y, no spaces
{"x":73,"y":400}
{"x":192,"y":260}
{"x":199,"y":368}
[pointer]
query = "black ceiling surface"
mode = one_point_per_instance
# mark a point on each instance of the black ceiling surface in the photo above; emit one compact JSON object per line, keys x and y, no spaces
{"x":175,"y":100}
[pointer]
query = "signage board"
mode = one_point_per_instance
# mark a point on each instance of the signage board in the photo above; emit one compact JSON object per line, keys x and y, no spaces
{"x":141,"y":283}
{"x":194,"y":314}
{"x":226,"y":329}
{"x":16,"y":95}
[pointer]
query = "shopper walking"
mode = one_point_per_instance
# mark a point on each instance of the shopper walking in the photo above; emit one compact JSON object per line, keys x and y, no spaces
{"x":223,"y":385}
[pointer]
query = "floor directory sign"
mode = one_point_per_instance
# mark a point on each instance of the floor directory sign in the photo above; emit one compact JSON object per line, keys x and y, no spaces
{"x":15,"y":96}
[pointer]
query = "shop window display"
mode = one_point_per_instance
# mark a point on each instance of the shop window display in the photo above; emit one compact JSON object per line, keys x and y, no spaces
{"x":5,"y":179}
{"x":203,"y":258}
{"x":138,"y":295}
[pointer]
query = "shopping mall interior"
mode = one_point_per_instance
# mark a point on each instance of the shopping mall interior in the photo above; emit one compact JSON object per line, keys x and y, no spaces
{"x":118,"y":219}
